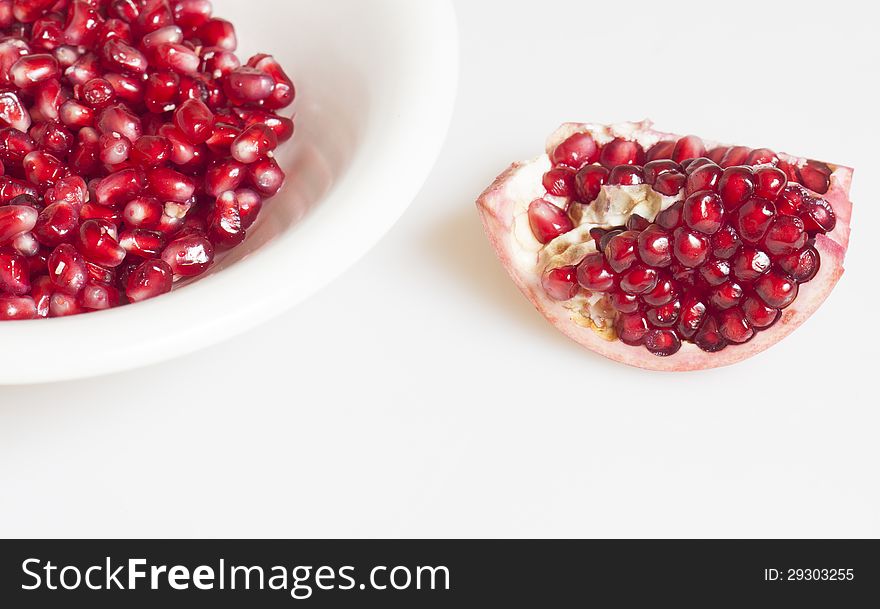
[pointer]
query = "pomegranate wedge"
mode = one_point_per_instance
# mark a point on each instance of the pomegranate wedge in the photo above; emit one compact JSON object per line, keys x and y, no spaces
{"x":669,"y":252}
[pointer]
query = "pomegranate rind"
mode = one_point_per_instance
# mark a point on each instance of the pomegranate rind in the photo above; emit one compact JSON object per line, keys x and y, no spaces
{"x":500,"y":205}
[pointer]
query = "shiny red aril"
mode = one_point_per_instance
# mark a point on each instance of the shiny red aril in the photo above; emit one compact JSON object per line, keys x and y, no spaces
{"x":258,"y":140}
{"x":189,"y":256}
{"x":67,"y":269}
{"x":561,"y":283}
{"x":621,"y":152}
{"x":737,"y":185}
{"x":704,"y":212}
{"x":753,"y":219}
{"x":546,"y":220}
{"x":97,"y":243}
{"x":589,"y":182}
{"x":575,"y":152}
{"x":776,"y":290}
{"x":150,"y":279}
{"x":594,"y":274}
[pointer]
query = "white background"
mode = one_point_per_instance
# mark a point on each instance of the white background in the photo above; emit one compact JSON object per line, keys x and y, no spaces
{"x":420,"y":394}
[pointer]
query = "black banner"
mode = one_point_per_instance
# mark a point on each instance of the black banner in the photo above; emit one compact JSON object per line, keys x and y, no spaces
{"x":436,"y":573}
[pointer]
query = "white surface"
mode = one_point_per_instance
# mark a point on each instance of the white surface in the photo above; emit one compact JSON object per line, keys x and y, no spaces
{"x":420,"y":395}
{"x":373,"y":108}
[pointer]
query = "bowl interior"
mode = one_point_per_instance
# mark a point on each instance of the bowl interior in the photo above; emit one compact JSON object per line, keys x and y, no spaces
{"x":375,"y":90}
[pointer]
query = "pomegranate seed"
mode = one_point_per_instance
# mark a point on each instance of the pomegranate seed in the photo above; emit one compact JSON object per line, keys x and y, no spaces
{"x":176,"y":57}
{"x":83,"y":21}
{"x":734,"y":327}
{"x":117,"y":119}
{"x":97,"y":243}
{"x":639,"y":279}
{"x":189,"y":256}
{"x":670,"y":217}
{"x":737,"y":185}
{"x":547,"y":221}
{"x":621,"y":301}
{"x":662,"y":342}
{"x":151,"y":151}
{"x":758,"y":314}
{"x":725,"y":242}
{"x":98,"y":93}
{"x":284,"y":93}
{"x":258,"y":140}
{"x":121,"y":56}
{"x":126,"y":10}
{"x":282,"y":126}
{"x":704,"y":212}
{"x":802,"y":266}
{"x":665,"y":316}
{"x":152,"y":278}
{"x":34,"y":69}
{"x":558,"y":182}
{"x":67,"y":269}
{"x":709,"y":337}
{"x":631,"y":328}
{"x":26,"y":245}
{"x":620,"y":252}
{"x":738,"y":155}
{"x":92,"y":211}
{"x":594,"y":274}
{"x":119,"y":187}
{"x":14,"y":274}
{"x":776,"y":290}
{"x":670,"y":183}
{"x":142,"y":212}
{"x":169,"y":185}
{"x":818,"y":215}
{"x":693,"y":313}
{"x":561,"y":283}
{"x":56,"y":224}
{"x":225,"y":228}
{"x":64,"y":305}
{"x":749,"y":264}
{"x":715,"y":271}
{"x":726,"y":295}
{"x":170,"y":34}
{"x":622,"y":152}
{"x":97,"y":297}
{"x":753,"y":219}
{"x":12,"y":112}
{"x":219,"y":63}
{"x":637,"y":223}
{"x":660,"y":150}
{"x":704,"y":177}
{"x":192,"y":14}
{"x":114,"y":148}
{"x":75,"y":115}
{"x":17,"y":308}
{"x":689,"y":247}
{"x":265,"y":176}
{"x":575,"y":152}
{"x":589,"y":182}
{"x":769,"y":182}
{"x":688,"y":147}
{"x":142,"y":243}
{"x":762,"y":156}
{"x":785,"y":236}
{"x":218,"y":33}
{"x":248,"y":85}
{"x":662,"y":293}
{"x":626,"y":175}
{"x":195,"y":121}
{"x":15,"y":220}
{"x":249,"y":205}
{"x":816,"y":176}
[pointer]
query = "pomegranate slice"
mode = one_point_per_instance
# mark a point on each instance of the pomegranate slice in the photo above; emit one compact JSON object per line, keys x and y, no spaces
{"x":689,"y":256}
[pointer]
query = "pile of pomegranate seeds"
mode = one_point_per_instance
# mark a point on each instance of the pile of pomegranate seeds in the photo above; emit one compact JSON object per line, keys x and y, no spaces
{"x":134,"y":145}
{"x":716,"y":266}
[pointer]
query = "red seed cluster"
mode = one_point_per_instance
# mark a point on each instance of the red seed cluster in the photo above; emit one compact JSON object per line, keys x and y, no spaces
{"x":134,"y":145}
{"x":717,"y":266}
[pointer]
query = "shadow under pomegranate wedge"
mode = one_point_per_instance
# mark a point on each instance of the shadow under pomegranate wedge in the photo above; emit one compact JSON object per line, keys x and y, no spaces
{"x":134,"y":147}
{"x":668,"y":252}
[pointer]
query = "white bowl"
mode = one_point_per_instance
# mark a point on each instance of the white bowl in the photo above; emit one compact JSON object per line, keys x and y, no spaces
{"x":375,"y":91}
